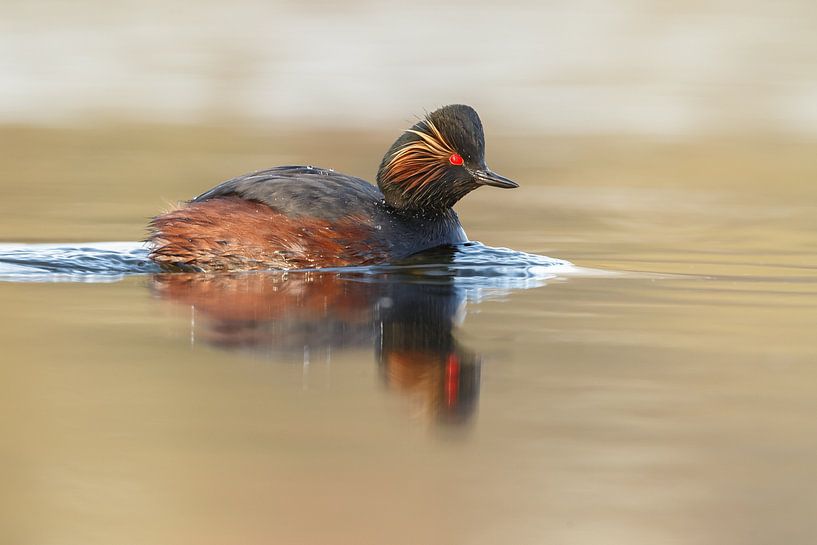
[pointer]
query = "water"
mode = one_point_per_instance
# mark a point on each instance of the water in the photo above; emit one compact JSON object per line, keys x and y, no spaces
{"x":92,"y":262}
{"x":406,"y":311}
{"x":654,"y":384}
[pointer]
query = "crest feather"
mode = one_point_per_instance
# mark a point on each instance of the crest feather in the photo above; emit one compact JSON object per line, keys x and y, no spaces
{"x":419,"y":161}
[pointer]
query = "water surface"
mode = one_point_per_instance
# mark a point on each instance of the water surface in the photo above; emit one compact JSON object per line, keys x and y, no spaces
{"x":475,"y":396}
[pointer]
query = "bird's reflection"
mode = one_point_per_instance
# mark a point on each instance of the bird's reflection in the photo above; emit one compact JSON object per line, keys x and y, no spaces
{"x":407,"y":315}
{"x":409,"y":324}
{"x":418,"y":353}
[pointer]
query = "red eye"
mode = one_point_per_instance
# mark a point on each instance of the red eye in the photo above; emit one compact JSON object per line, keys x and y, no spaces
{"x":455,"y":159}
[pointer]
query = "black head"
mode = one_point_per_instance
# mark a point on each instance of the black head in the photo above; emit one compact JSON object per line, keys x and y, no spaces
{"x":437,"y":162}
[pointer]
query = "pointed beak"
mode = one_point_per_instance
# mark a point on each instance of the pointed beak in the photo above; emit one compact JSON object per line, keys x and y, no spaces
{"x":488,"y":177}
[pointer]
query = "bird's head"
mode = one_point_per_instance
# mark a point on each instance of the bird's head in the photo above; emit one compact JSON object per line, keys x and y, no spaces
{"x":437,"y":162}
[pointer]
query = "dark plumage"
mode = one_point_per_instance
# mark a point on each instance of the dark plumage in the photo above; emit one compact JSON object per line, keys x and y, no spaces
{"x":304,"y":217}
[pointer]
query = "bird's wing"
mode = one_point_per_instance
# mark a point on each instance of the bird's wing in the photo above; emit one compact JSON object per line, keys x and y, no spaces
{"x":302,"y":191}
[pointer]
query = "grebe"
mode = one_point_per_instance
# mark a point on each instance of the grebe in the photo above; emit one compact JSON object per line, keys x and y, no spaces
{"x":300,"y":217}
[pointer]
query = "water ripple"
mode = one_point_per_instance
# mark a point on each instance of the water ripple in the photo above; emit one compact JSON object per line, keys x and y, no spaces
{"x":469,"y":265}
{"x":91,"y":262}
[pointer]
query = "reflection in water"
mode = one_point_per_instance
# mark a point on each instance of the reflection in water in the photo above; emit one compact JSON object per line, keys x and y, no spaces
{"x":409,"y":324}
{"x":419,"y":355}
{"x":408,"y":312}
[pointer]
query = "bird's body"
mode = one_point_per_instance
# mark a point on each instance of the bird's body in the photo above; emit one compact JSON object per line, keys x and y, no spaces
{"x":296,"y":217}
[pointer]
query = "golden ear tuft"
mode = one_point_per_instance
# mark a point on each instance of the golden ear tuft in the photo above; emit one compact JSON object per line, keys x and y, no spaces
{"x":421,"y":161}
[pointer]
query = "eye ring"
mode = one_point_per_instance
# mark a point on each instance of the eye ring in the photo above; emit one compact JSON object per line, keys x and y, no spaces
{"x":456,"y":159}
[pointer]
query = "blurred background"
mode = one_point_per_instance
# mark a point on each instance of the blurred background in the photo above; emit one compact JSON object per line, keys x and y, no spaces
{"x":586,"y":67}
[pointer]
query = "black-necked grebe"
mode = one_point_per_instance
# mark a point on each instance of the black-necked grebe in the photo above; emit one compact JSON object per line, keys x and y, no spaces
{"x":296,"y":217}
